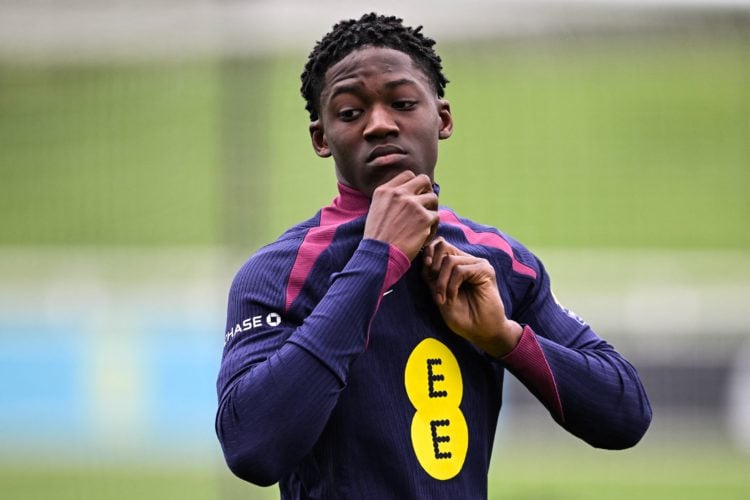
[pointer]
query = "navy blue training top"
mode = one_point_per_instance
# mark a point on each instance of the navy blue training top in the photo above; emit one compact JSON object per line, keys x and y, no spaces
{"x":339,"y":378}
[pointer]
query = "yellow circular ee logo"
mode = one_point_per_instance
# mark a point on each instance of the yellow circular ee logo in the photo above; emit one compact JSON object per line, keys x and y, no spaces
{"x":439,"y":433}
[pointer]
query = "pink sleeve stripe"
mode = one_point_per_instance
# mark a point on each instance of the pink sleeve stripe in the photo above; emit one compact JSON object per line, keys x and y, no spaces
{"x":349,"y":205}
{"x":316,"y":241}
{"x":398,"y":264}
{"x":487,"y":239}
{"x":527,"y":362}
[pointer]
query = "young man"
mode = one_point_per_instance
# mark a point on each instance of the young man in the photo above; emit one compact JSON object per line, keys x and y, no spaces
{"x":366,"y":347}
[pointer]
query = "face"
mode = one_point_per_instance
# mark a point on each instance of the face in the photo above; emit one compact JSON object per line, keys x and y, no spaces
{"x":379,"y":115}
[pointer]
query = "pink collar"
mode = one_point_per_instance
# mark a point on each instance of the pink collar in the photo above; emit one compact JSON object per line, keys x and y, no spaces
{"x":351,"y":200}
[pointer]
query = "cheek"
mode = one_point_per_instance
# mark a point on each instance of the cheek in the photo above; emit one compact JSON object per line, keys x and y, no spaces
{"x":430,"y":134}
{"x":335,"y":147}
{"x":341,"y":142}
{"x":429,"y":141}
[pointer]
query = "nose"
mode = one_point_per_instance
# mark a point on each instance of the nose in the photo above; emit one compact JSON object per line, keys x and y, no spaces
{"x":380,"y":123}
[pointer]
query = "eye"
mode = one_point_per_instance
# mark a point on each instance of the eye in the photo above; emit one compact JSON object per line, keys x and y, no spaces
{"x":349,"y":114}
{"x":404,"y":104}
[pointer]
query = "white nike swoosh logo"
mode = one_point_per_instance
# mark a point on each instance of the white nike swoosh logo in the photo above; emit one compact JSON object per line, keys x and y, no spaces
{"x":387,"y":292}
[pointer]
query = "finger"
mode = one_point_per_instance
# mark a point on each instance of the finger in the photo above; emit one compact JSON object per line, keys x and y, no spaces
{"x":428,"y":252}
{"x":429,"y":200}
{"x":443,"y":249}
{"x":435,"y":221}
{"x":419,"y":184}
{"x":442,"y":252}
{"x":400,"y":179}
{"x":433,"y":229}
{"x":448,"y":264}
{"x":461,"y":273}
{"x":437,"y":253}
{"x":429,"y":228}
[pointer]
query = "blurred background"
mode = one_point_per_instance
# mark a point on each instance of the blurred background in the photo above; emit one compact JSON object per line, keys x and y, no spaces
{"x":147,"y":148}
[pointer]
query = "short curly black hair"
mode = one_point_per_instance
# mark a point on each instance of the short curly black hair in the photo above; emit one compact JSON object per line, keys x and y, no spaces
{"x":369,"y":30}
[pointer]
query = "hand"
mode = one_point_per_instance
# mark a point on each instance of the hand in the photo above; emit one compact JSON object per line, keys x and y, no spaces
{"x":403,"y":213}
{"x":465,"y":290}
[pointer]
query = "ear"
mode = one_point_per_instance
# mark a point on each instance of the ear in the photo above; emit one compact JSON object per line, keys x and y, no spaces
{"x":446,"y":119}
{"x":318,"y":138}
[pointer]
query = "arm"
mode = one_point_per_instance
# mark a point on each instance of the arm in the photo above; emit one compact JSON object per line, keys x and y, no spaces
{"x":589,"y":389}
{"x":279,"y":382}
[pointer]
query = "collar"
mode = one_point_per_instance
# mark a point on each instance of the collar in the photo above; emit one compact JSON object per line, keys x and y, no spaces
{"x":352,"y":200}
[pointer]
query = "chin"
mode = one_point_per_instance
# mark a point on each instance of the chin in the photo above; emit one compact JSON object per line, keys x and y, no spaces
{"x":384,"y":175}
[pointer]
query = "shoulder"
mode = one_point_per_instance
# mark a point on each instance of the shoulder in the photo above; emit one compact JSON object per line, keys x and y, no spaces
{"x":268,"y":268}
{"x":494,"y":243}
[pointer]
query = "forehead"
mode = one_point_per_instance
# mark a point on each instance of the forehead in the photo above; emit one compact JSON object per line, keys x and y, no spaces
{"x":370,"y":63}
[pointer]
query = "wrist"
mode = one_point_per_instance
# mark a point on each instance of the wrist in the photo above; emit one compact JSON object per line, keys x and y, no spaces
{"x":507,"y":339}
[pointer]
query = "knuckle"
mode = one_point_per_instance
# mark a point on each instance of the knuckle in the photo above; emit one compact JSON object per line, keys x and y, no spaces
{"x":380,"y":190}
{"x":451,"y":260}
{"x":487,"y":266}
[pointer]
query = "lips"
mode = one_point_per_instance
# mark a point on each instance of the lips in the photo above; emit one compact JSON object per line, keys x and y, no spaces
{"x":387,"y":149}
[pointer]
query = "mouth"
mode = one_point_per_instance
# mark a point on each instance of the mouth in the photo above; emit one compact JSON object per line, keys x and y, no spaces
{"x":388,"y":151}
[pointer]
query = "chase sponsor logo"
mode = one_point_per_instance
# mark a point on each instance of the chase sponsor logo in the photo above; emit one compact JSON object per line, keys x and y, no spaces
{"x":567,"y":311}
{"x":271,"y":319}
{"x":573,"y":315}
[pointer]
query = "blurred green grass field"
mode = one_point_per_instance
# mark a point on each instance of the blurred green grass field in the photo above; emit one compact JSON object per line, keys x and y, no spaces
{"x":555,"y":473}
{"x":583,"y":143}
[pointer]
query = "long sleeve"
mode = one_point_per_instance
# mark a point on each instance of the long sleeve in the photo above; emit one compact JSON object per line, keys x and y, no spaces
{"x":588,"y":387}
{"x":281,"y":373}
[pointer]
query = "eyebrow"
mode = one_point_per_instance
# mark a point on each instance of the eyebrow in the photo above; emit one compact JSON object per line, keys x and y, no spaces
{"x":397,"y":83}
{"x":357,"y":88}
{"x":346,"y":89}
